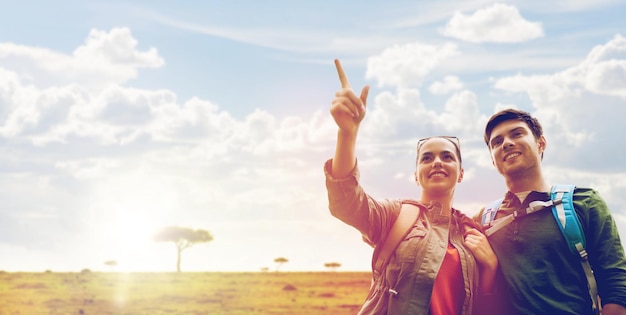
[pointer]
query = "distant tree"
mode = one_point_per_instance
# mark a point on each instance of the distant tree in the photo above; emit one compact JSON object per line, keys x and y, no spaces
{"x":183,"y":238}
{"x":265,"y":269}
{"x":332,"y":265}
{"x":111,"y":263}
{"x":280,"y":261}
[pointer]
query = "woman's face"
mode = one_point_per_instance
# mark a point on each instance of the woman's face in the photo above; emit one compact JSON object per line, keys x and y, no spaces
{"x":438,"y":165}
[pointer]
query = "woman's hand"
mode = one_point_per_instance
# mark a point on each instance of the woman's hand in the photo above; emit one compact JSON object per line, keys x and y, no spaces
{"x":487,"y":260}
{"x":478,"y":244}
{"x":347,"y":109}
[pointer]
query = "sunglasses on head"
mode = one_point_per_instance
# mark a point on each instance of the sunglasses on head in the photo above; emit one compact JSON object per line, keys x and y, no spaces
{"x":453,"y":139}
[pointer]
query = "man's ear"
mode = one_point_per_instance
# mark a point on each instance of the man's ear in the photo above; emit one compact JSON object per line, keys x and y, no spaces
{"x":461,"y":175}
{"x":416,"y":178}
{"x":543,"y":143}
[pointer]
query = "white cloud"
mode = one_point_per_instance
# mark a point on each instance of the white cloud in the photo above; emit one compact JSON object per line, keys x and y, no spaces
{"x":49,"y":96}
{"x":604,"y":69}
{"x":18,"y":110}
{"x":392,"y":116}
{"x":500,"y":23}
{"x":407,"y":65}
{"x":142,"y":152}
{"x":608,"y":78}
{"x":88,"y":168}
{"x":580,"y":104}
{"x":449,"y":83}
{"x":603,"y":72}
{"x":116,"y":47}
{"x":106,"y":58}
{"x":460,"y":109}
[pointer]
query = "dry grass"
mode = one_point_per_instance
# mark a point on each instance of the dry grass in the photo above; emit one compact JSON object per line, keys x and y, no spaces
{"x":303,"y":293}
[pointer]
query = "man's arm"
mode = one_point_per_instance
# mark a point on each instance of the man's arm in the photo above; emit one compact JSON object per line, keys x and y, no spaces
{"x":606,"y":252}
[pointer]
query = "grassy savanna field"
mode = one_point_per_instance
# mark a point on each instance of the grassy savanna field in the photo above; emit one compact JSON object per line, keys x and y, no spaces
{"x":101,"y":293}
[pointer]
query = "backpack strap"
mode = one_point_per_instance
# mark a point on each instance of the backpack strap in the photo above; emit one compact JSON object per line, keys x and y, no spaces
{"x":489,"y":214}
{"x":572,"y":230}
{"x":491,"y":224}
{"x":400,"y":228}
{"x":566,"y":218}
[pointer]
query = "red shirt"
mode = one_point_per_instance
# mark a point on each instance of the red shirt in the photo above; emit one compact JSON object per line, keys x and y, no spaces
{"x":448,"y":290}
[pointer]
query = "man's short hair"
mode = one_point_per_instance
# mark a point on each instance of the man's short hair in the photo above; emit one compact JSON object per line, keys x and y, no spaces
{"x":513,"y":114}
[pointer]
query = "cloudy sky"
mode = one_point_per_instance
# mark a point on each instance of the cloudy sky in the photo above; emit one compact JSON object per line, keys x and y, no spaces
{"x":118,"y":118}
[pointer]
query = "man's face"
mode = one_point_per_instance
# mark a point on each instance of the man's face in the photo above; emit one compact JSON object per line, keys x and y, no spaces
{"x":514,"y":149}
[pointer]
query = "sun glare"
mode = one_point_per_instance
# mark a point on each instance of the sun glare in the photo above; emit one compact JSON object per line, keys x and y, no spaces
{"x":129,"y":211}
{"x":134,"y":232}
{"x":129,"y":239}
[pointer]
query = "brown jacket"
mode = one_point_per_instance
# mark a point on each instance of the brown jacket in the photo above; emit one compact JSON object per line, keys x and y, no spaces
{"x":405,"y":285}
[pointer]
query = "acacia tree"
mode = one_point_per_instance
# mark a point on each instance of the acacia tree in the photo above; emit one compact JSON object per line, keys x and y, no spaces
{"x":183,"y":238}
{"x":332,"y":265}
{"x":111,"y":263}
{"x":280,"y":261}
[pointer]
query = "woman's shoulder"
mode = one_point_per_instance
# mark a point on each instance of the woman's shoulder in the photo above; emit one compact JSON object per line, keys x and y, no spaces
{"x":464,"y":219}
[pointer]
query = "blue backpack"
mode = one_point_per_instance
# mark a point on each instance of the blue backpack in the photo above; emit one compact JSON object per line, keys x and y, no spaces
{"x":563,"y":209}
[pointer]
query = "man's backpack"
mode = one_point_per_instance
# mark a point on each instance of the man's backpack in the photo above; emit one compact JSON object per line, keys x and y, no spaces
{"x":563,"y":209}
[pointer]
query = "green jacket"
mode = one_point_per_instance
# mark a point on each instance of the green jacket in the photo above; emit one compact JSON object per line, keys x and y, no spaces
{"x":543,"y":276}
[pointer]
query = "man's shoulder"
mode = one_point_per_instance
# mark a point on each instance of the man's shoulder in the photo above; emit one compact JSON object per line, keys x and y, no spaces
{"x":584,"y":192}
{"x":586,"y":195}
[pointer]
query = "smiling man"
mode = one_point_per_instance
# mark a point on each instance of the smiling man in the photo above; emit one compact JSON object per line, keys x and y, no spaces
{"x":543,"y":275}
